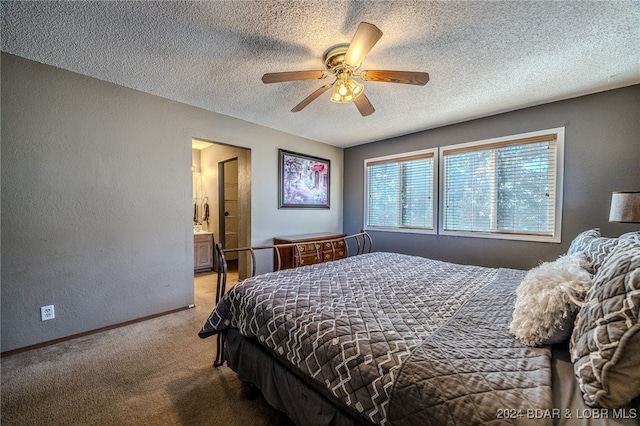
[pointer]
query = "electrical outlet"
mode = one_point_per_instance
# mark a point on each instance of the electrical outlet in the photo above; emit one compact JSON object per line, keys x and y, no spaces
{"x":47,"y":312}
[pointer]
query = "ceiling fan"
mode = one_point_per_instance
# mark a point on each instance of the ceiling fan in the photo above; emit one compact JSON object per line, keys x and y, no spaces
{"x":342,"y":61}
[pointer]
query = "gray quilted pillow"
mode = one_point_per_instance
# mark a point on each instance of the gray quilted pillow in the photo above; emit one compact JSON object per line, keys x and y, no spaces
{"x":633,"y":235}
{"x":605,"y":344}
{"x":594,"y":246}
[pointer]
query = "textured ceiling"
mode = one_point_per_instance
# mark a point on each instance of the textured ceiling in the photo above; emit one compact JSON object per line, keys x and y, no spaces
{"x":483,"y":57}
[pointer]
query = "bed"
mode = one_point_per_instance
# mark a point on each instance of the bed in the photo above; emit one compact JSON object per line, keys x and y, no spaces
{"x":393,"y":339}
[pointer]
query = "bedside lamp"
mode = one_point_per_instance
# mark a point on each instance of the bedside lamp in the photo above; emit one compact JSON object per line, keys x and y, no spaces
{"x":625,"y":207}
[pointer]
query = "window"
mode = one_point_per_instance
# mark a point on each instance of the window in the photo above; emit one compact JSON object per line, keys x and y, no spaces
{"x":399,"y":192}
{"x":504,"y":188}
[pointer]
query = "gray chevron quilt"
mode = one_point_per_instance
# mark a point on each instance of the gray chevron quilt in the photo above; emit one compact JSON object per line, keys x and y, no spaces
{"x":402,"y":340}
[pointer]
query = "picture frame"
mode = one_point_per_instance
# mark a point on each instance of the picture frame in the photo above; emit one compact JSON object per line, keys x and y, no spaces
{"x":303,"y":181}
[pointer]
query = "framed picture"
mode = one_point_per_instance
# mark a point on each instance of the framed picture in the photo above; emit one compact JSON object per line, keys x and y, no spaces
{"x":303,"y":181}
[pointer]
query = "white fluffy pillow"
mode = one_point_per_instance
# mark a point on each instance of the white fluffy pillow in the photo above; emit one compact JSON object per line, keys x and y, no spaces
{"x":548,"y":300}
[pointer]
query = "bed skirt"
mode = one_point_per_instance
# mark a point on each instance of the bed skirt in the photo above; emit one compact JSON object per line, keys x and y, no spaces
{"x":281,"y":388}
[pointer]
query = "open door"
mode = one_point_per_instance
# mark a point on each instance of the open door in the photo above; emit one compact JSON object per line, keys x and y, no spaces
{"x":228,"y":204}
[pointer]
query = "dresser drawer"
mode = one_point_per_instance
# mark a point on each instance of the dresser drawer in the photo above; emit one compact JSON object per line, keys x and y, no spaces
{"x":328,"y":246}
{"x":337,"y":253}
{"x":306,"y":260}
{"x":329,"y":255}
{"x":308,"y":249}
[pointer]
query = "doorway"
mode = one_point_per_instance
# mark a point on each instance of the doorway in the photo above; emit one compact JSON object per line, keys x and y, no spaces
{"x":224,"y":175}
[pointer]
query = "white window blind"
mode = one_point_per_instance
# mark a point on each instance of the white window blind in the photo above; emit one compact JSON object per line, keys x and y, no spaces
{"x":400,"y":192}
{"x":502,"y":187}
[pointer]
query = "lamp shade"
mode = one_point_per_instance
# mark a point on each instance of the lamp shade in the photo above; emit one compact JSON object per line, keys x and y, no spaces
{"x":625,"y":207}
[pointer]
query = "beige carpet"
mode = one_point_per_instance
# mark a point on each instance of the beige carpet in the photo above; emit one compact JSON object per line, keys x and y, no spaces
{"x":157,"y":372}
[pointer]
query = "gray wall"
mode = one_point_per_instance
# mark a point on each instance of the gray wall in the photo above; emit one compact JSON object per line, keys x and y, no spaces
{"x":602,"y":155}
{"x":96,"y":199}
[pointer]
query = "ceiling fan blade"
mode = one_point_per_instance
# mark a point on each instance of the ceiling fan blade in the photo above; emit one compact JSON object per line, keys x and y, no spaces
{"x":364,"y":105}
{"x":404,"y":77}
{"x":366,"y":36}
{"x":279,"y":77}
{"x":306,"y":101}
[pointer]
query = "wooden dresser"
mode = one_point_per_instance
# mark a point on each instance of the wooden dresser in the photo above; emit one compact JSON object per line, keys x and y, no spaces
{"x":307,"y":251}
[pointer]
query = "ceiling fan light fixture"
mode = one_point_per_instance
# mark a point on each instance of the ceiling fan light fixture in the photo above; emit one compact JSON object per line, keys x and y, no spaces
{"x":346,"y":90}
{"x":342,"y":61}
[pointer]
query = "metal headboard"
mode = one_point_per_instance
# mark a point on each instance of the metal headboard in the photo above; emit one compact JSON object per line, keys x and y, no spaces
{"x":362,"y":241}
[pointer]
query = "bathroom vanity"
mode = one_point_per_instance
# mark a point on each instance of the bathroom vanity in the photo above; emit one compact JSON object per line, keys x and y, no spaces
{"x":202,"y":251}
